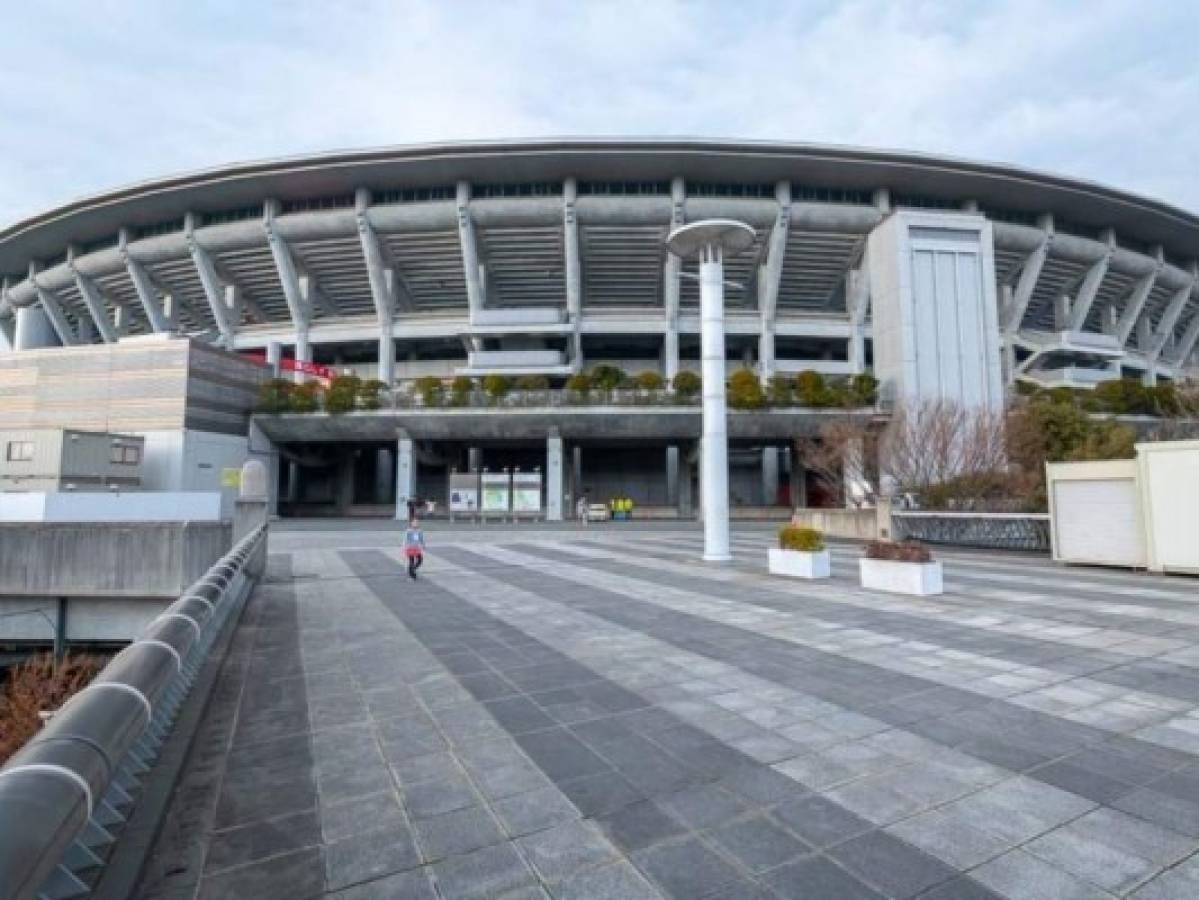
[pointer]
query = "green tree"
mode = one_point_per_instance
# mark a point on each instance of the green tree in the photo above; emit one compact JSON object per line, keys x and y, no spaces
{"x":745,"y":390}
{"x":342,"y":394}
{"x":460,"y":390}
{"x":811,"y":389}
{"x":579,"y":384}
{"x":532,"y":383}
{"x":649,"y":381}
{"x":369,"y":394}
{"x":430,"y":389}
{"x":306,"y":397}
{"x":496,"y":386}
{"x":686,"y":384}
{"x":274,"y":395}
{"x":863,"y":389}
{"x":780,"y":390}
{"x":608,"y":378}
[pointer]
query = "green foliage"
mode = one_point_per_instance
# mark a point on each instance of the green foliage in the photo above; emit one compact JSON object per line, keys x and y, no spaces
{"x":779,"y":390}
{"x":496,"y":386}
{"x":863,"y":389}
{"x":608,"y":378}
{"x":460,"y":390}
{"x":431,"y":390}
{"x":274,"y":396}
{"x":342,"y":394}
{"x":532,"y":383}
{"x":1124,"y":396}
{"x":306,"y":397}
{"x":811,"y":389}
{"x":686,"y":384}
{"x":807,"y":540}
{"x":368,"y":394}
{"x":580,"y":383}
{"x":649,"y":381}
{"x":745,"y":390}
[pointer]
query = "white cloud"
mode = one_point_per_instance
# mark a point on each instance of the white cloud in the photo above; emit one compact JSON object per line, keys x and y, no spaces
{"x":99,"y":94}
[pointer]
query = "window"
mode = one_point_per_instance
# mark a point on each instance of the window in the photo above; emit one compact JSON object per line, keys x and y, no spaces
{"x":20,"y":451}
{"x":125,"y":454}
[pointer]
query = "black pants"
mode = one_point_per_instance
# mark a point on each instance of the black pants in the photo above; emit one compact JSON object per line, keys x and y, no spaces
{"x":414,"y":564}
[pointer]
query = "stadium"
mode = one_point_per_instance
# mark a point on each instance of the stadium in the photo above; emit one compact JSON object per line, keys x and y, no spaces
{"x":539,"y":260}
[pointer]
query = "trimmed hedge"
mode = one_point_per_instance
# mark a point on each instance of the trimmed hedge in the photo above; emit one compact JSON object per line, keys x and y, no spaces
{"x":806,"y":540}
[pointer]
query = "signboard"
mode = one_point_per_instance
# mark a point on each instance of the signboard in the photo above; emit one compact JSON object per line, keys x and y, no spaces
{"x":287,"y":364}
{"x":231,"y":478}
{"x":496,"y":491}
{"x":464,"y":492}
{"x":526,"y":492}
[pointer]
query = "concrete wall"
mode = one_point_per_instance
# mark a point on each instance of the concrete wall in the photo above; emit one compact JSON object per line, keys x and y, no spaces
{"x":133,"y":560}
{"x":106,"y":619}
{"x":854,"y":524}
{"x":185,"y":460}
{"x":137,"y":506}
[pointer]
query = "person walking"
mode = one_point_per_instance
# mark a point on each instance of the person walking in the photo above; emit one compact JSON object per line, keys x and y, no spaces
{"x":414,"y":547}
{"x":581,"y":509}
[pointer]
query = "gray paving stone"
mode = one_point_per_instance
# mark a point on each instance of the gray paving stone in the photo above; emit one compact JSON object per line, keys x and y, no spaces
{"x":298,"y":874}
{"x":373,"y":812}
{"x":639,"y":825}
{"x":1019,"y":874}
{"x":703,"y":806}
{"x":893,"y":866}
{"x":1099,"y":863}
{"x":491,"y":872}
{"x":458,"y":832}
{"x":434,"y":798}
{"x":363,"y":857}
{"x":819,"y":821}
{"x":758,"y":843}
{"x":260,"y":840}
{"x":687,"y":869}
{"x":562,"y":850}
{"x":412,"y":885}
{"x":617,"y":881}
{"x":817,"y":878}
{"x":534,"y":811}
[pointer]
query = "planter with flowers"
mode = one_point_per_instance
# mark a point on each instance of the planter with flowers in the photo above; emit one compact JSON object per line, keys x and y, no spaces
{"x":800,"y":554}
{"x":901,"y":567}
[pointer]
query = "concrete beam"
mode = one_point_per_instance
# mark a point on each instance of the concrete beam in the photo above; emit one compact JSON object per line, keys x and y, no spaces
{"x":1085,"y":297}
{"x":285,"y":267}
{"x":1030,"y":272}
{"x":573,"y":266}
{"x":769,"y":277}
{"x":1136,"y":305}
{"x":475,"y":296}
{"x":53,"y":309}
{"x":93,"y":300}
{"x":144,"y":286}
{"x":211,"y":283}
{"x":1169,"y":319}
{"x":1186,"y":346}
{"x":671,"y":282}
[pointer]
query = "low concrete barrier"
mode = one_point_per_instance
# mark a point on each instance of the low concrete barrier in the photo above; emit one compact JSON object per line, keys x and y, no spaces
{"x":851,"y":524}
{"x":66,"y":795}
{"x":129,"y":559}
{"x":988,"y":531}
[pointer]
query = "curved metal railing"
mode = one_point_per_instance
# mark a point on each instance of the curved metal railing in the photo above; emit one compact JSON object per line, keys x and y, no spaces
{"x":65,"y":793}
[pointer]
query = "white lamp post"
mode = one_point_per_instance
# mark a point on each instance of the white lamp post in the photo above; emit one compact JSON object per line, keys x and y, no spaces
{"x":709,"y":240}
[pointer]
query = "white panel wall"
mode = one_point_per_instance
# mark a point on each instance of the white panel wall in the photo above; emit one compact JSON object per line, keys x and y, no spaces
{"x":195,"y":461}
{"x":92,"y":506}
{"x":935,"y":320}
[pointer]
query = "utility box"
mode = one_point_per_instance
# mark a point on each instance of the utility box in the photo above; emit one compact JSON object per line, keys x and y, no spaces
{"x":1140,"y":513}
{"x":63,"y":459}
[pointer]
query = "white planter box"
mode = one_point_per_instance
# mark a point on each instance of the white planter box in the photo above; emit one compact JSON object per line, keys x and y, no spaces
{"x":799,"y":563}
{"x":920,"y":579}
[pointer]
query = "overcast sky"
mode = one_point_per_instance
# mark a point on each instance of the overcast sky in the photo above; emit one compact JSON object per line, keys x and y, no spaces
{"x":98,"y":94}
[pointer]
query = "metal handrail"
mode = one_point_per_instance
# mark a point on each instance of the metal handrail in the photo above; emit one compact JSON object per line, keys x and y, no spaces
{"x":66,"y":792}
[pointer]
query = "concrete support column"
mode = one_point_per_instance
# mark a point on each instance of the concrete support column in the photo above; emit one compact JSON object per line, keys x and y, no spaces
{"x":261,"y":444}
{"x":553,"y":477}
{"x":303,"y":353}
{"x":576,"y":472}
{"x":387,"y":356}
{"x":344,"y":492}
{"x":799,"y":482}
{"x":714,"y":464}
{"x":293,"y":482}
{"x":686,"y":502}
{"x":405,"y":475}
{"x":383,"y":472}
{"x":672,"y":476}
{"x":770,"y":476}
{"x":34,"y":329}
{"x":474,"y":459}
{"x":274,"y":357}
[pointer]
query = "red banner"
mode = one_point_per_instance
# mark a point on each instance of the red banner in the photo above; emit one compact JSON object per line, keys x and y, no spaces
{"x":287,"y":364}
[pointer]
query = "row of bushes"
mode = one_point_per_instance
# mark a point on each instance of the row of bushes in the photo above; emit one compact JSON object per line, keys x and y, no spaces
{"x":345,"y":393}
{"x":1124,"y":396}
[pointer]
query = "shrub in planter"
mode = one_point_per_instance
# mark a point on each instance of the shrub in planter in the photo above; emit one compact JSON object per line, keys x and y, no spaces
{"x":779,"y":390}
{"x":863,"y":389}
{"x":368,"y":394}
{"x":306,"y":397}
{"x":608,"y":378}
{"x":274,"y":396}
{"x":686,"y":384}
{"x":800,"y":554}
{"x":745,"y":390}
{"x":649,"y":381}
{"x":901,"y":567}
{"x":460,"y":390}
{"x":342,"y":394}
{"x":532,"y":383}
{"x":811,"y":389}
{"x":430,"y":389}
{"x":496,"y":386}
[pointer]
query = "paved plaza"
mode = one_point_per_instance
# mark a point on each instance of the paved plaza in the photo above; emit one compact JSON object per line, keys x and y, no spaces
{"x":593,"y":713}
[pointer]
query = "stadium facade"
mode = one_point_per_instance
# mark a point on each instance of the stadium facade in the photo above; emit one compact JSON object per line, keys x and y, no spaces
{"x":943,"y":277}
